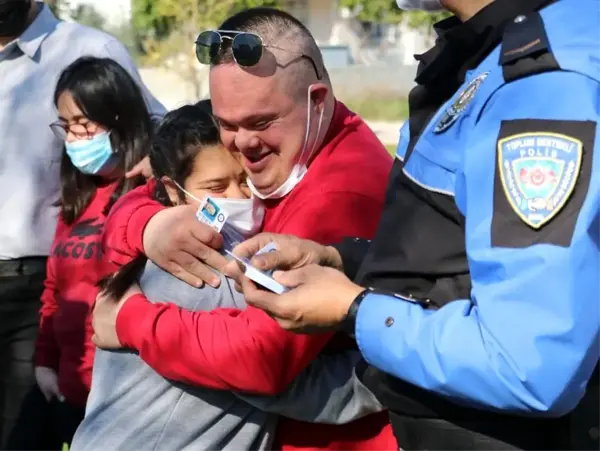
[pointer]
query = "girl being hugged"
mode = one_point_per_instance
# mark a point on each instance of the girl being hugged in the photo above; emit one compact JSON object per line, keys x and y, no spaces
{"x":105,"y":124}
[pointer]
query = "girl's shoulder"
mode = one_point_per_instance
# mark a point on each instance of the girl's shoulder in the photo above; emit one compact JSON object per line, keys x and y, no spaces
{"x":160,"y":286}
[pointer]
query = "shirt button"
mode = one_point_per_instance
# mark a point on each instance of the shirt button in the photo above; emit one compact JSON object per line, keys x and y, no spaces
{"x":594,"y":433}
{"x":389,"y":321}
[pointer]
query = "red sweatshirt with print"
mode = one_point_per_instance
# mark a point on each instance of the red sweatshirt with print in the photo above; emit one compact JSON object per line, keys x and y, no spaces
{"x":75,"y":266}
{"x":341,"y":195}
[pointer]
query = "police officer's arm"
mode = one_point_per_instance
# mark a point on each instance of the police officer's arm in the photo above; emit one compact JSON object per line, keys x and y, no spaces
{"x":527,"y":339}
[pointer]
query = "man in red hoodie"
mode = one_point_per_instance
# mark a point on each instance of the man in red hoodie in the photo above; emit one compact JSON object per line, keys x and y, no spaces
{"x":322,"y":175}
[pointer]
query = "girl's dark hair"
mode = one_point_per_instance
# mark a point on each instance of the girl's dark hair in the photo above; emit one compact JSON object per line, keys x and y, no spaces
{"x":105,"y":93}
{"x":180,"y":136}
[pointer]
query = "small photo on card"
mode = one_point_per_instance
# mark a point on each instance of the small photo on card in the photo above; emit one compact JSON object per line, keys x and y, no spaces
{"x":210,"y":213}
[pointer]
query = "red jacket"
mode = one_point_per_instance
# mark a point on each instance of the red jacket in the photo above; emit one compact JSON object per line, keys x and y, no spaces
{"x":75,"y":266}
{"x":341,"y":195}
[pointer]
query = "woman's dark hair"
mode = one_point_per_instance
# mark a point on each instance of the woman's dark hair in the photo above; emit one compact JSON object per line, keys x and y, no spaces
{"x":105,"y":93}
{"x":180,"y":136}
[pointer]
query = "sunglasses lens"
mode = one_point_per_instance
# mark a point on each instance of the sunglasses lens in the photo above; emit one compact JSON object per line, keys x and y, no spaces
{"x":247,"y":49}
{"x":208,"y":45}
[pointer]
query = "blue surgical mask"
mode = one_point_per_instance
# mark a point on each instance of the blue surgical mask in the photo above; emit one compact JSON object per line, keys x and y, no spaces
{"x":93,"y":156}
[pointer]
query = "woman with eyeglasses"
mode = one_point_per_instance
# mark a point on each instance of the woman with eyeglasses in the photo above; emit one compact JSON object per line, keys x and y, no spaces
{"x":105,"y":125}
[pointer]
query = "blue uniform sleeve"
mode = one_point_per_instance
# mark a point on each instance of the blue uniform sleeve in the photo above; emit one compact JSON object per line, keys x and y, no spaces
{"x":527,"y":340}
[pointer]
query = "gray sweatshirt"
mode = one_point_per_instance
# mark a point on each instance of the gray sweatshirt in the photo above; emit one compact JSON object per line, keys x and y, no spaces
{"x":131,"y":407}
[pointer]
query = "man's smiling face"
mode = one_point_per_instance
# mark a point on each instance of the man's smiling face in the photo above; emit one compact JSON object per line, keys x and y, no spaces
{"x":259,"y":119}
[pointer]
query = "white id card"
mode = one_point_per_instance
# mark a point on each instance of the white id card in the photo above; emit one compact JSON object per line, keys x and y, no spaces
{"x":211,"y":214}
{"x":258,"y":276}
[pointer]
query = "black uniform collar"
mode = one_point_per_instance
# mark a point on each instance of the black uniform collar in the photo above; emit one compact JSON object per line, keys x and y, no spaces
{"x":462,"y":46}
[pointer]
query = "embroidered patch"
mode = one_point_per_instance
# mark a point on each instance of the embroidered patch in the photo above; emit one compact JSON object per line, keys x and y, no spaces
{"x":538,"y":172}
{"x":460,"y":104}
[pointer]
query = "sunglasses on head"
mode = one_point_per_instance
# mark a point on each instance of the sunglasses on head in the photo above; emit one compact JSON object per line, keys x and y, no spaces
{"x":247,"y":48}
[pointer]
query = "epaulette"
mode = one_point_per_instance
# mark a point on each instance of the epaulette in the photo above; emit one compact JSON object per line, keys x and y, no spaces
{"x":526,"y":48}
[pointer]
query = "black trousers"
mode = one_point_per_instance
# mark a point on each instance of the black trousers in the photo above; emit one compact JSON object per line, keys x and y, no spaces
{"x":510,"y":433}
{"x":21,"y":286}
{"x":55,"y":424}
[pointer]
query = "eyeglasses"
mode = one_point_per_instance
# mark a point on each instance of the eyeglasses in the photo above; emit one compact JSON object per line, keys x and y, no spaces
{"x":81,"y":131}
{"x":247,"y":48}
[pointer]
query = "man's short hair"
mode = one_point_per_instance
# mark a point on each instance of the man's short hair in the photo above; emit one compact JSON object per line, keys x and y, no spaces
{"x":277,"y":28}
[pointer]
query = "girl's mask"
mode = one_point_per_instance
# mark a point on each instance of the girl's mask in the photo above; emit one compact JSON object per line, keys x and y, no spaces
{"x":244,"y":215}
{"x":93,"y":156}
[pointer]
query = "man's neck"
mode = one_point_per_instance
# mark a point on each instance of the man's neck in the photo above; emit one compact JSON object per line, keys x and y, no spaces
{"x":463,"y":9}
{"x":33,"y":12}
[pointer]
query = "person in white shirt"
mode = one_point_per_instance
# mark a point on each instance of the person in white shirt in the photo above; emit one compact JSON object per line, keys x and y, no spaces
{"x":34,"y":49}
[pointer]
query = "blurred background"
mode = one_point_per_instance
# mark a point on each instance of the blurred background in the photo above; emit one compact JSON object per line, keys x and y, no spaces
{"x":368,"y":46}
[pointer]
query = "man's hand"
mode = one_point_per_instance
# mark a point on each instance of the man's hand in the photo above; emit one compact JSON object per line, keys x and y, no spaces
{"x":176,"y":241}
{"x":104,"y":319}
{"x":142,"y":168}
{"x":291,"y":253}
{"x":319,"y":299}
{"x":47,"y":381}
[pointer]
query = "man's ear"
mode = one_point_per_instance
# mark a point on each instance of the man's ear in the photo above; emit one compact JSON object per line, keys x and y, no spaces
{"x":318,"y":95}
{"x":171,"y":189}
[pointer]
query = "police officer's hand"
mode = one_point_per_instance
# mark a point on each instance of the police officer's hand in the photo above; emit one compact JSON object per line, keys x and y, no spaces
{"x":104,"y":318}
{"x":176,"y":241}
{"x":291,"y":253}
{"x":319,"y":299}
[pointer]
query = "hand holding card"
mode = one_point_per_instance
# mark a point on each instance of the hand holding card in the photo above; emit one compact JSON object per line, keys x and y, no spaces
{"x":256,"y":275}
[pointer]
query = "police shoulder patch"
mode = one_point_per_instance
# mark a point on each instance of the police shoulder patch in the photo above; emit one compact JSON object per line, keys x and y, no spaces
{"x":538,"y":171}
{"x":461,"y":103}
{"x":542,"y":178}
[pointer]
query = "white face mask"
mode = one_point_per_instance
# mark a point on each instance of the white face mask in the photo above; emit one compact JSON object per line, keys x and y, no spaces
{"x":425,"y":5}
{"x":244,"y":215}
{"x":300,"y":168}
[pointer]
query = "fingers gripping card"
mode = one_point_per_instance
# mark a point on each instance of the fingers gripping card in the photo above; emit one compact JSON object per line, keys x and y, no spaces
{"x":271,"y":247}
{"x":268,"y":248}
{"x":259,"y":277}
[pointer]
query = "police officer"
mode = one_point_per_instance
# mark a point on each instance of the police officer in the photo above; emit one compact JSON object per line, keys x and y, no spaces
{"x":477,"y":304}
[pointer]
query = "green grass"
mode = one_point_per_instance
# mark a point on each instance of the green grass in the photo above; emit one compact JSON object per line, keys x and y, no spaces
{"x":378,"y":106}
{"x":391,"y":148}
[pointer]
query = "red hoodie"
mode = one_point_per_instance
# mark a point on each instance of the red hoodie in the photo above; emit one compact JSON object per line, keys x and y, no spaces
{"x":341,"y":195}
{"x":75,"y":266}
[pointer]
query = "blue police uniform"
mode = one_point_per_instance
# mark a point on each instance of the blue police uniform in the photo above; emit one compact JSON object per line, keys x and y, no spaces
{"x":503,"y":320}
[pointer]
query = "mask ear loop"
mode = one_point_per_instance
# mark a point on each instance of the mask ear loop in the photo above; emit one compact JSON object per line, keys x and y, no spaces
{"x":187,"y":193}
{"x":308,"y":125}
{"x":303,"y":164}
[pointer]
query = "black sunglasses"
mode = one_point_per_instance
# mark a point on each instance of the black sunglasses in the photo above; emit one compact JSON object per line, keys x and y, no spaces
{"x":247,"y":48}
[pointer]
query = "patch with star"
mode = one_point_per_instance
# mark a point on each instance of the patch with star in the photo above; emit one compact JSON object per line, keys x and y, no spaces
{"x":543,"y":171}
{"x":460,"y":104}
